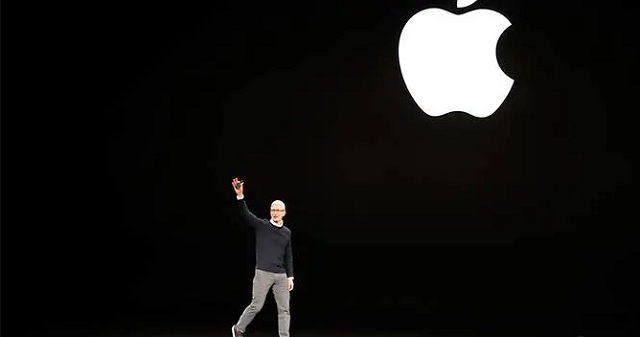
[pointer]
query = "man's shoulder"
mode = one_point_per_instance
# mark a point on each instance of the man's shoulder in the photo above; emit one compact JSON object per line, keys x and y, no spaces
{"x":264,"y":221}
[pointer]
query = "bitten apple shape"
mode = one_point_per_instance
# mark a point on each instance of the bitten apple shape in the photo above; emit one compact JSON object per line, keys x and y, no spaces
{"x":448,"y":61}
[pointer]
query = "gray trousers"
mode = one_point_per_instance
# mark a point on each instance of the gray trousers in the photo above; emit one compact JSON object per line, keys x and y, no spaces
{"x":262,"y":282}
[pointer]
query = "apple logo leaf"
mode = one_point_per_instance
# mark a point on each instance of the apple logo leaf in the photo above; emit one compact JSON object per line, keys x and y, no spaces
{"x":465,"y":3}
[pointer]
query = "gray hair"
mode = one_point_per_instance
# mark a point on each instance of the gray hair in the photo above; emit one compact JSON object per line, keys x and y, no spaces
{"x":278,"y":203}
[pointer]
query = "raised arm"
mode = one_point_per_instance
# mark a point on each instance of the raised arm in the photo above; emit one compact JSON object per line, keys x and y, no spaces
{"x":245,"y":214}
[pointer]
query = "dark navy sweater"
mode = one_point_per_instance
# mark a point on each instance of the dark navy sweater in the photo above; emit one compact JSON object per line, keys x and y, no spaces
{"x":273,"y":243}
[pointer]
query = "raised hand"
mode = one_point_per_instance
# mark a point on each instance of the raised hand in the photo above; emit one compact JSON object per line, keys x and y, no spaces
{"x":238,"y":186}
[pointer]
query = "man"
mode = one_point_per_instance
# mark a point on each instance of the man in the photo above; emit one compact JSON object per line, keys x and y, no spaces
{"x":274,"y":263}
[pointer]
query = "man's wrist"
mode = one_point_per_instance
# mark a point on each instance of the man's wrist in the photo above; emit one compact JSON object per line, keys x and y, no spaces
{"x":240,"y":197}
{"x":290,"y":278}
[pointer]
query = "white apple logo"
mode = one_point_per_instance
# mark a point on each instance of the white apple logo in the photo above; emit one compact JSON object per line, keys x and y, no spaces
{"x":448,"y":61}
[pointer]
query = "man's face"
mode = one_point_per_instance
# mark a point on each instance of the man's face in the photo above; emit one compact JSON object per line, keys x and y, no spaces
{"x":277,"y":212}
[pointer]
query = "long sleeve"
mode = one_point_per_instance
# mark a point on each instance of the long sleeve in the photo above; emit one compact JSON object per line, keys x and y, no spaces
{"x":288,"y":260}
{"x":247,"y":216}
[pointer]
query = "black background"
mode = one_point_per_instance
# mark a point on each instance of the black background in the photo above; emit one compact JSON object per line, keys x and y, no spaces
{"x":129,"y":121}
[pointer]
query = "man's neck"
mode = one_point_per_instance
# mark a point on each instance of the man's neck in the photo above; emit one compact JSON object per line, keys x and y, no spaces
{"x":277,"y":224}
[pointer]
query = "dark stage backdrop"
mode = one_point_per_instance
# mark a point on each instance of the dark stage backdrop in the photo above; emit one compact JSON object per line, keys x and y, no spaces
{"x":138,"y":115}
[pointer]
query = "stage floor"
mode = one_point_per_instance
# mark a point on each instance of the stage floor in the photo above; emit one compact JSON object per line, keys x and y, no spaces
{"x":297,"y":333}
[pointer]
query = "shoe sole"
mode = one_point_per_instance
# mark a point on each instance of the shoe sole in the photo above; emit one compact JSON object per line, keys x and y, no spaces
{"x":233,"y":331}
